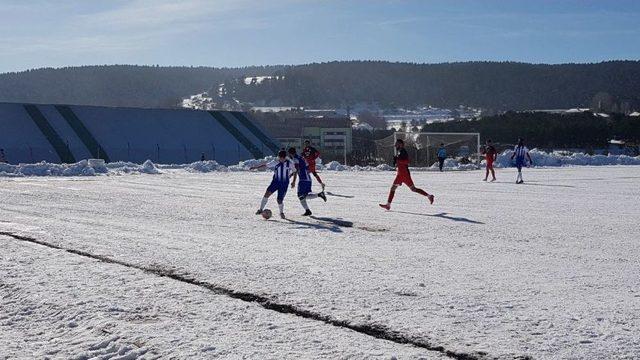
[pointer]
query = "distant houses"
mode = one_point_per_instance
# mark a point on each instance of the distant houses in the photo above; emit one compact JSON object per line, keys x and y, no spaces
{"x":331,"y":134}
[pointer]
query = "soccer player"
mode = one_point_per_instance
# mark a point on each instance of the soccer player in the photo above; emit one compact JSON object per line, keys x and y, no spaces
{"x":520,"y":152}
{"x":402,"y":162}
{"x":442,"y":155}
{"x":310,"y":154}
{"x":304,"y":185}
{"x":490,"y":155}
{"x":279,"y":183}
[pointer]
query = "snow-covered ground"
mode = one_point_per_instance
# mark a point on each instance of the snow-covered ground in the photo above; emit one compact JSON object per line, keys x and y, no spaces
{"x":548,"y":269}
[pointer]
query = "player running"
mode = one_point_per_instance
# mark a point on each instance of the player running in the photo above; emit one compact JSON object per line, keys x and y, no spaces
{"x":279,"y":183}
{"x":304,"y":185}
{"x":310,"y":154}
{"x":490,"y":155}
{"x":520,"y":152}
{"x":404,"y":176}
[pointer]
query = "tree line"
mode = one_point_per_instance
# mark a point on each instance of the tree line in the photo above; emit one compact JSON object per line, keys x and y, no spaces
{"x":548,"y":130}
{"x":493,"y":86}
{"x":116,"y":85}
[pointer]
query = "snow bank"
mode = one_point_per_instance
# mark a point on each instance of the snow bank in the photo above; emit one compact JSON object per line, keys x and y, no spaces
{"x":335,"y":166}
{"x":147,"y":167}
{"x":255,"y":164}
{"x":94,"y":167}
{"x":451,"y":165}
{"x":81,"y":168}
{"x":90,"y":167}
{"x":541,"y":158}
{"x":196,"y":167}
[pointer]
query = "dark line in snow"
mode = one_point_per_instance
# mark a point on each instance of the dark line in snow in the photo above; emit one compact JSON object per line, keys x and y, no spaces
{"x":376,"y":331}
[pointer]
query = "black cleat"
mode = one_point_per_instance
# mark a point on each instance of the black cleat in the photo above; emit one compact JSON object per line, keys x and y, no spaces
{"x":307,"y":213}
{"x":282,"y":216}
{"x":322,"y":196}
{"x":258,"y":212}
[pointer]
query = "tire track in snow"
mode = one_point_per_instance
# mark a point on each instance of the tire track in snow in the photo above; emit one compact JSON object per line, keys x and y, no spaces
{"x":376,"y":331}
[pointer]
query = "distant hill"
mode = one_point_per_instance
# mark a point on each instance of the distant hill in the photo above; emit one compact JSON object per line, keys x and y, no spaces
{"x":488,"y":85}
{"x":612,"y":86}
{"x":116,"y":85}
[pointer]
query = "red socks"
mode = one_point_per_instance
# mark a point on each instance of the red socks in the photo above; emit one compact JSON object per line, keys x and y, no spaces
{"x":390,"y":198}
{"x":421,"y":192}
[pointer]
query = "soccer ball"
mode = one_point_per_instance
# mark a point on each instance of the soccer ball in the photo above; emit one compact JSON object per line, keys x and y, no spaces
{"x":266,"y":214}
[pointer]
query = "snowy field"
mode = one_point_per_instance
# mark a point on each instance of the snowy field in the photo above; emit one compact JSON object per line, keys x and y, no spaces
{"x":176,"y":265}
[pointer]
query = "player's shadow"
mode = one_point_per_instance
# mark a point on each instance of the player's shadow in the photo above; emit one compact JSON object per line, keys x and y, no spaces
{"x":338,"y":222}
{"x":443,"y":215}
{"x":338,"y":195}
{"x":317,"y":226}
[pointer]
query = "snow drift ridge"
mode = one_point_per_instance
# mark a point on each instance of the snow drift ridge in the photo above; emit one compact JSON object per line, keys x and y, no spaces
{"x":92,"y":167}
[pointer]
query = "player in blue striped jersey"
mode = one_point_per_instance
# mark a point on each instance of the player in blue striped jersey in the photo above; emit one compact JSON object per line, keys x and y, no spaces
{"x":521,"y":153}
{"x":279,"y":182}
{"x":304,"y":185}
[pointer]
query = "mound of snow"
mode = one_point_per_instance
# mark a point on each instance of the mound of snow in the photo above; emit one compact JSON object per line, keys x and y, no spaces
{"x":335,"y":166}
{"x":385,"y":167}
{"x":266,"y":163}
{"x":81,"y":168}
{"x":541,"y":158}
{"x":205,"y":166}
{"x":148,"y":167}
{"x":452,"y":165}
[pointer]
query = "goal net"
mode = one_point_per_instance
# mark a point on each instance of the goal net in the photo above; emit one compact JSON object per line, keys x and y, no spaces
{"x":423,"y":147}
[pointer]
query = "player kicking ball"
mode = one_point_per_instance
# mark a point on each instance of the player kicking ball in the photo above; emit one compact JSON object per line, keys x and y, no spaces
{"x":279,"y":183}
{"x":521,"y":153}
{"x":304,"y":185}
{"x":403,"y":176}
{"x":310,"y":154}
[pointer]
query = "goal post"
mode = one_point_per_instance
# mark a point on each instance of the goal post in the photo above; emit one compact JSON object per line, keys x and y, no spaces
{"x":423,"y":147}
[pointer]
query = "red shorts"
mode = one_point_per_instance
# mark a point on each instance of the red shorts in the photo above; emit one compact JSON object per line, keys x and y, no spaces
{"x":489,"y":162}
{"x":403,"y":178}
{"x":312,"y":166}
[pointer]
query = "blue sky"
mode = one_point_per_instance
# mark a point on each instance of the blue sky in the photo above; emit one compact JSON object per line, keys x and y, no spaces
{"x":55,"y":33}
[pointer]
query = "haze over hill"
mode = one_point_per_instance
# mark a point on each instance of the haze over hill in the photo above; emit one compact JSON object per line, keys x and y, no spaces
{"x":497,"y":86}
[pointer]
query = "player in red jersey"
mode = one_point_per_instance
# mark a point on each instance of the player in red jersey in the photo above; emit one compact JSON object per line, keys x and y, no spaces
{"x":310,"y":154}
{"x":491,"y":155}
{"x":404,"y":176}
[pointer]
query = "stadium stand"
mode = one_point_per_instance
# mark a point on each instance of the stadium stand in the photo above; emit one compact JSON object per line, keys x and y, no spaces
{"x":67,"y":133}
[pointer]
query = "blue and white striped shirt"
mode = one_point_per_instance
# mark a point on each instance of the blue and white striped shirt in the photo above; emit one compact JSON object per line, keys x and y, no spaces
{"x":302,"y":167}
{"x":282,"y":171}
{"x":521,"y":152}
